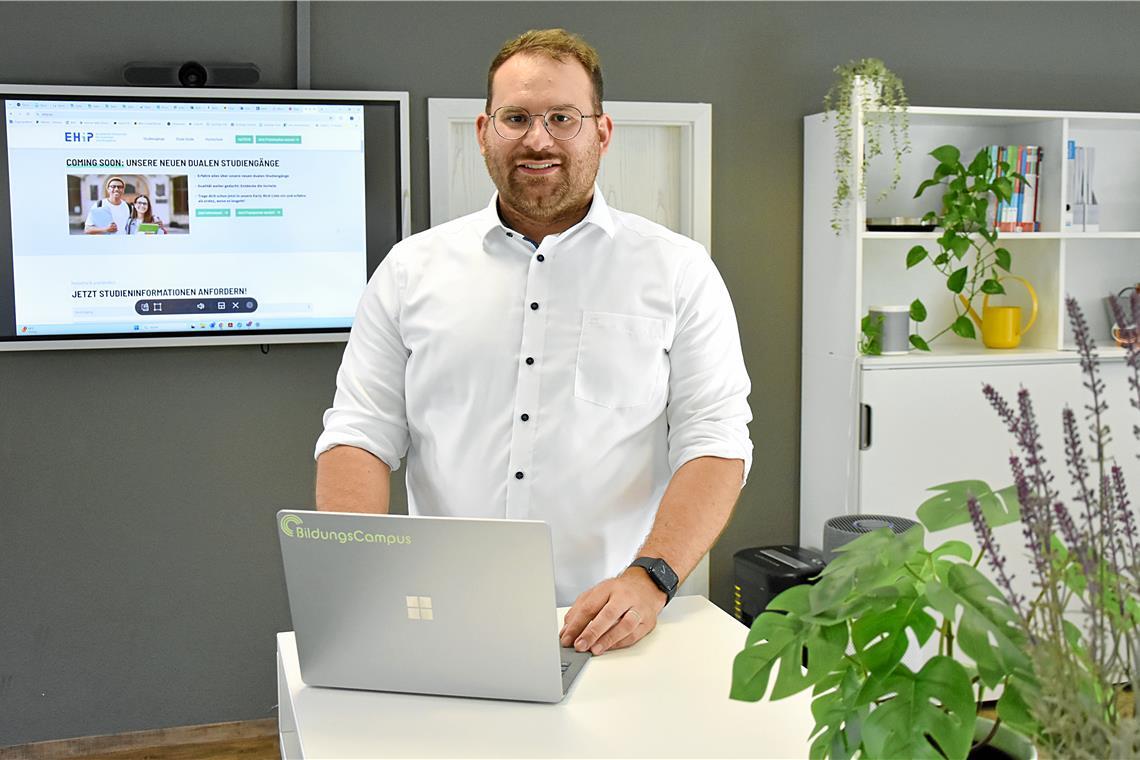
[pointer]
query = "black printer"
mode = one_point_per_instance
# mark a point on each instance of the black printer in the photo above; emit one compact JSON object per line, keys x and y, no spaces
{"x":762,"y":572}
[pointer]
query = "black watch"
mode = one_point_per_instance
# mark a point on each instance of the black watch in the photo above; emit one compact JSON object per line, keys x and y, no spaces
{"x":660,"y":573}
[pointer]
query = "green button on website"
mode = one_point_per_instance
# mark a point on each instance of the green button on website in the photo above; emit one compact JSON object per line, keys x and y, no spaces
{"x":211,"y":212}
{"x":292,"y":139}
{"x":260,"y":212}
{"x":243,"y":138}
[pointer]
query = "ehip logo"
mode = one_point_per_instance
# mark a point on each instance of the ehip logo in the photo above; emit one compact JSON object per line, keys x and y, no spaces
{"x":289,"y":522}
{"x":294,"y":527}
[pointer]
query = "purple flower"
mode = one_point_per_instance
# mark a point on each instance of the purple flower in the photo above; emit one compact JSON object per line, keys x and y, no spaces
{"x":993,"y":554}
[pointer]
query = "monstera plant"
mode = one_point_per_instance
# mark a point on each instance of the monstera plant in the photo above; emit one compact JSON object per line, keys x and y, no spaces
{"x":848,"y":636}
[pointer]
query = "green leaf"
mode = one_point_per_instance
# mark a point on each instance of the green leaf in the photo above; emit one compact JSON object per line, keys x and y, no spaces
{"x":942,"y":259}
{"x":948,"y":508}
{"x":915,"y":256}
{"x":1003,"y":188}
{"x":992,"y":287}
{"x":919,"y":343}
{"x":872,"y":325}
{"x":959,"y":549}
{"x":947,"y":155}
{"x":960,"y":246}
{"x":872,"y":329}
{"x":917,"y":311}
{"x":963,"y":327}
{"x":981,"y":208}
{"x":1013,"y":706}
{"x":840,"y":716}
{"x":880,"y":638}
{"x":956,"y":281}
{"x":783,"y":639}
{"x":1004,"y":260}
{"x":868,"y":564}
{"x":980,"y":166}
{"x":1072,"y":634}
{"x":989,"y":631}
{"x":936,"y":702}
{"x":926,"y":183}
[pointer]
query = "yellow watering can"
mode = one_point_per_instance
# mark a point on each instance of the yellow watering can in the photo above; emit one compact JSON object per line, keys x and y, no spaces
{"x":1001,"y":325}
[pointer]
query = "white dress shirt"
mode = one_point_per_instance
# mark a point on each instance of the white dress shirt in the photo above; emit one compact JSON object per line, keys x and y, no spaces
{"x":563,"y":383}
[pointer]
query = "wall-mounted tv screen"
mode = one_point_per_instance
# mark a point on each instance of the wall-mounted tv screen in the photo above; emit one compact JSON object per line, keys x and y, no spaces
{"x":148,"y":216}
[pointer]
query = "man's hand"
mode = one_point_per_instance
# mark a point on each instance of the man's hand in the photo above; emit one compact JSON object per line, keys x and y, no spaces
{"x":614,"y":614}
{"x":112,"y":228}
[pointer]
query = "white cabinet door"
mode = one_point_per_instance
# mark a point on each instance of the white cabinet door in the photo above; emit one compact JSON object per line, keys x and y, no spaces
{"x":929,"y":427}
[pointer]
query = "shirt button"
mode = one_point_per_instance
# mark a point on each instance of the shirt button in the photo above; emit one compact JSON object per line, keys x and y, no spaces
{"x":510,"y":234}
{"x":518,"y":475}
{"x":530,"y":360}
{"x":541,"y":257}
{"x":525,"y":417}
{"x":534,"y":305}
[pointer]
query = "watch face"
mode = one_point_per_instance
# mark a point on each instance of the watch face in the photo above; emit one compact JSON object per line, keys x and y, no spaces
{"x":663,"y":574}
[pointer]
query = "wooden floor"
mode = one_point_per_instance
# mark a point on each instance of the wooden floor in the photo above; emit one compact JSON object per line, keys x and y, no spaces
{"x":242,"y":740}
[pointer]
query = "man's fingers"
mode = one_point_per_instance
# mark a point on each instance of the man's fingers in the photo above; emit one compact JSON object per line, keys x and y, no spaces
{"x":622,"y":629}
{"x":602,"y":622}
{"x":640,"y":632}
{"x":584,"y":609}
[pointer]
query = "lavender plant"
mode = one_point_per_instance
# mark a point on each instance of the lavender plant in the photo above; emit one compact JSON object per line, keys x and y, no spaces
{"x":1082,"y":628}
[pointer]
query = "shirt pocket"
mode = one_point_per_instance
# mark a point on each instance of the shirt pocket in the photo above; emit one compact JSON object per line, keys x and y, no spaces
{"x":621,"y":359}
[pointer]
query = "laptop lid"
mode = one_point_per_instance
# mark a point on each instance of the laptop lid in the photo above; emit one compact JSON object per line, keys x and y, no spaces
{"x":432,"y":605}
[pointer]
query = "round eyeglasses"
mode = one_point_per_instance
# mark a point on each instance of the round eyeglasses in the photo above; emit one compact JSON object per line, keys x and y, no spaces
{"x":561,"y":122}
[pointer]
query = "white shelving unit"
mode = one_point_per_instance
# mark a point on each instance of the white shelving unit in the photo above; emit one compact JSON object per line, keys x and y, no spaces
{"x":879,"y":432}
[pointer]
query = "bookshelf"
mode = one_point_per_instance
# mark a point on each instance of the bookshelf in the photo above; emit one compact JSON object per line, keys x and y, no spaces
{"x":878,"y":432}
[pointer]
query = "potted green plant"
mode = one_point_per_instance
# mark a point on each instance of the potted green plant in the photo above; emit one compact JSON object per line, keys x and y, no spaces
{"x":845,"y":637}
{"x":1061,"y":657}
{"x":966,"y":218}
{"x":876,"y":89}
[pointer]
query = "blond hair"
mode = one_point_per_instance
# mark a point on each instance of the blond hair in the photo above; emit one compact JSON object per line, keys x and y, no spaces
{"x":557,"y":44}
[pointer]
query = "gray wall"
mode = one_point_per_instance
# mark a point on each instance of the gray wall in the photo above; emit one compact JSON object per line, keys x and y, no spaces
{"x":139,"y":574}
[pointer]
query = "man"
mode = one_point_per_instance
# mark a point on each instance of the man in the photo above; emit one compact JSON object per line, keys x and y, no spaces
{"x":109,"y":215}
{"x":551,"y":358}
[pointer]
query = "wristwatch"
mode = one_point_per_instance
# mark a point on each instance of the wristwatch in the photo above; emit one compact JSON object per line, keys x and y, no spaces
{"x":660,"y":573}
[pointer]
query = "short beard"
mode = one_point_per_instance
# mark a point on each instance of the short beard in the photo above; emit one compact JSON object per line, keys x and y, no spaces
{"x":544,"y":208}
{"x":560,"y":202}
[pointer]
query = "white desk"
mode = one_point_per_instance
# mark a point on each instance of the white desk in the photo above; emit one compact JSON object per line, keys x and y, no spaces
{"x":665,"y":697}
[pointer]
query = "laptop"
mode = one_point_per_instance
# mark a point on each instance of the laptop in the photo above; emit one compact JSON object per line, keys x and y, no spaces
{"x":428,"y":605}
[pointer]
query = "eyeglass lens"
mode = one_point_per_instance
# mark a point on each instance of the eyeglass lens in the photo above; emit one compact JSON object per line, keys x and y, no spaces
{"x":562,"y":122}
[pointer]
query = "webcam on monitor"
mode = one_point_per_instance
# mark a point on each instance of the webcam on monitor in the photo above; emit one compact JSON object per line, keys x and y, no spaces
{"x":191,"y":74}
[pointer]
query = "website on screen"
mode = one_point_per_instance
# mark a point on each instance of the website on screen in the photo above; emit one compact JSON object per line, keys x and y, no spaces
{"x":179,"y":217}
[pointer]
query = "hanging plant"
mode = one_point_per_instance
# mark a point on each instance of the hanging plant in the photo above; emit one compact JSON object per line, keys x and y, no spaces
{"x":879,"y":90}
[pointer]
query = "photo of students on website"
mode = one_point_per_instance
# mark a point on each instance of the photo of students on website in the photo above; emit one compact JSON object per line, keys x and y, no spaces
{"x":128,"y":204}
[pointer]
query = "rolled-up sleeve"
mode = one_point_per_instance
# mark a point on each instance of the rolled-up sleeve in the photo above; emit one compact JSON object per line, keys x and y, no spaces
{"x":368,"y":409}
{"x":708,"y":410}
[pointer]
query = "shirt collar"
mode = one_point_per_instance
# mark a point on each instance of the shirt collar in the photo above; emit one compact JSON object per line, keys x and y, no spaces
{"x":599,"y":215}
